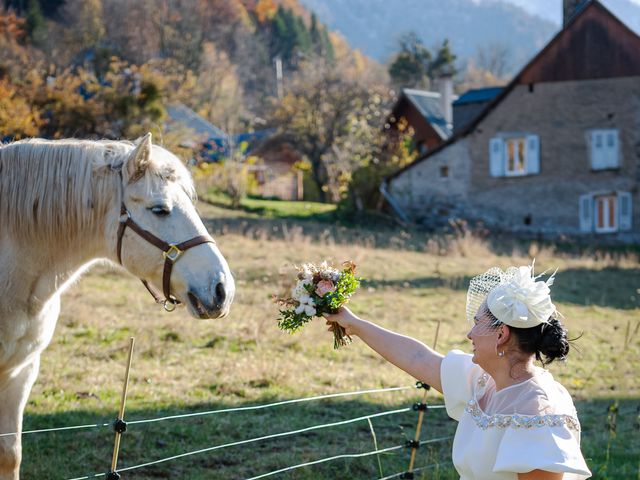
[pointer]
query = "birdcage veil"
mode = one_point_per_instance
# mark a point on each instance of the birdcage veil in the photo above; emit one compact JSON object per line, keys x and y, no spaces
{"x":477,"y":293}
{"x":514,"y":296}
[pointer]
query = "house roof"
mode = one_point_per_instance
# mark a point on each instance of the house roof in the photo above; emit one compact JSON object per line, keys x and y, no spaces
{"x":478,"y":95}
{"x":592,"y":17}
{"x":429,"y":105}
{"x":180,"y":113}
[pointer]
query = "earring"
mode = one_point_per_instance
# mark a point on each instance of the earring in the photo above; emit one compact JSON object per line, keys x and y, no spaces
{"x":501,"y":354}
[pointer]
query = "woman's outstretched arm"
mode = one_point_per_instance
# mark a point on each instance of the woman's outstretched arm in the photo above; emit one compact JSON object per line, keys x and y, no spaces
{"x":407,"y":353}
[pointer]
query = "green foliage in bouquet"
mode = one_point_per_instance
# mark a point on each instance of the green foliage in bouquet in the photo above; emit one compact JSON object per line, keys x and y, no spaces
{"x":319,"y":289}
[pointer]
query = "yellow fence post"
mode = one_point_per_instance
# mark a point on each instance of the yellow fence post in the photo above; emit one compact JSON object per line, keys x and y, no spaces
{"x":421,"y":408}
{"x":119,"y":425}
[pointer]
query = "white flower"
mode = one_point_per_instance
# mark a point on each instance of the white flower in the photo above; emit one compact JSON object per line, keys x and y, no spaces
{"x":309,"y":310}
{"x":300,"y":308}
{"x":299,"y":290}
{"x":305,"y":299}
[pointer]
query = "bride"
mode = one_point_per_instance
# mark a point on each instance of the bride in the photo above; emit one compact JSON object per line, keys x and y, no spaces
{"x":515,"y":421}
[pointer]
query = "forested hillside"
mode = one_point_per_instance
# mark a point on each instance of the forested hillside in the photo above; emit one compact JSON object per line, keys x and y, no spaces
{"x":215,"y":55}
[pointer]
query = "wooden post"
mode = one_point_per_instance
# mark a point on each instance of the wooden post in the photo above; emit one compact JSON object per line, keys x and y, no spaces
{"x":421,"y":407}
{"x":120,"y":425}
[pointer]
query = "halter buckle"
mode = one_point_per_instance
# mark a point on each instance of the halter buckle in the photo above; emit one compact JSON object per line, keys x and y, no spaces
{"x":173,"y":253}
{"x":169,"y":304}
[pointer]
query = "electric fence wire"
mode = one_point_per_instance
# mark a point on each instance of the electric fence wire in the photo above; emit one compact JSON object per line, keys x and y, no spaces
{"x":224,"y":410}
{"x":346,"y":455}
{"x":253,"y":440}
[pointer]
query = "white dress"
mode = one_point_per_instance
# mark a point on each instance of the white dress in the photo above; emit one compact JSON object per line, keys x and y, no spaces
{"x":528,"y":426}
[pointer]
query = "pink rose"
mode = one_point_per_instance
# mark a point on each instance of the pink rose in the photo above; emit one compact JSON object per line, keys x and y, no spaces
{"x":324,"y":287}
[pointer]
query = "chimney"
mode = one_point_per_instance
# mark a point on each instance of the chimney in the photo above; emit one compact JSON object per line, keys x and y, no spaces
{"x":445,"y":89}
{"x":570,"y":8}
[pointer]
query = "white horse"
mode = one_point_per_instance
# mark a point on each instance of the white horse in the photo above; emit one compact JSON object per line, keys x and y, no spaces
{"x":66,"y":203}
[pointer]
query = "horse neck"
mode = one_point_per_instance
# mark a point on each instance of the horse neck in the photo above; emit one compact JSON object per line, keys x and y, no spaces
{"x":46,"y":269}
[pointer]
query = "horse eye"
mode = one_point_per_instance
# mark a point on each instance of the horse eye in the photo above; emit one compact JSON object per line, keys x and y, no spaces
{"x":160,"y":210}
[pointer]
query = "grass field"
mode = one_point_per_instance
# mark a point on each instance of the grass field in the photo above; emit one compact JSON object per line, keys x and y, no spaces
{"x":412,"y":281}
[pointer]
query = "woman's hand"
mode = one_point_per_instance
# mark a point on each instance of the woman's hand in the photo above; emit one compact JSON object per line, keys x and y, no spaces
{"x":345,"y":318}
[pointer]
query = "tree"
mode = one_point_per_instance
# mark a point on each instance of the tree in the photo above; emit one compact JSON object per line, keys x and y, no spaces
{"x":85,"y":26}
{"x":181,"y":30}
{"x":16,"y":56}
{"x":410,"y":67}
{"x":475,"y":77}
{"x":320,"y":43}
{"x":132,"y":28}
{"x":494,"y":58}
{"x":18,"y":119}
{"x":289,"y":37}
{"x":265,"y":10}
{"x":35,"y":23}
{"x":217,"y":94}
{"x":444,"y":63}
{"x":334,"y":121}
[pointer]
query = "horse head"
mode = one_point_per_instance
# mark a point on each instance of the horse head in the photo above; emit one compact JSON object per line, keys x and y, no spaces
{"x":167,"y":234}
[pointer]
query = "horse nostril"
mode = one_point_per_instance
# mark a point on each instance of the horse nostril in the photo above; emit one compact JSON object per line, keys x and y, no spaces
{"x":221,"y":294}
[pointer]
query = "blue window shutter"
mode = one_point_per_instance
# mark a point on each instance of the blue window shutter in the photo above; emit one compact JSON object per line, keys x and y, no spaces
{"x":533,"y":154}
{"x":597,"y":148}
{"x":624,"y":211}
{"x":586,"y":213}
{"x":613,"y":147}
{"x":496,"y":157}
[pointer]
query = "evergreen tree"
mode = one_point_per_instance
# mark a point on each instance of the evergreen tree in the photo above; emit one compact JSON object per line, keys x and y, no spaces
{"x":289,"y":36}
{"x":327,"y":46}
{"x":35,"y":23}
{"x":444,"y":63}
{"x":303,"y":39}
{"x":410,"y":67}
{"x":320,"y":42}
{"x":314,"y":31}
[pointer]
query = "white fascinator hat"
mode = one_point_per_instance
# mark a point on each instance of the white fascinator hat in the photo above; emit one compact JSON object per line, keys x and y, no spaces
{"x":516,"y":297}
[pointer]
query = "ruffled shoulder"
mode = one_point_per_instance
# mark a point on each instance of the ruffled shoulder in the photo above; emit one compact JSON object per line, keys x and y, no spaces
{"x":458,"y":375}
{"x":553,"y":428}
{"x":557,"y":446}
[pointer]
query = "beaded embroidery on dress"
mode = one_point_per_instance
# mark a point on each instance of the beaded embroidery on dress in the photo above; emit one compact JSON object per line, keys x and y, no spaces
{"x":517,"y":420}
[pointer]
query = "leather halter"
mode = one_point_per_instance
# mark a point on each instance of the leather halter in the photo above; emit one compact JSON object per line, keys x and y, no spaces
{"x":170,"y":251}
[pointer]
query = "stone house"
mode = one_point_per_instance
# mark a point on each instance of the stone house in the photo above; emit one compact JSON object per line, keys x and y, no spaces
{"x":558,"y":149}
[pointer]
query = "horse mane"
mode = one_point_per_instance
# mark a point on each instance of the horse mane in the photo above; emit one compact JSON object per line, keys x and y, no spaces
{"x":53,"y":189}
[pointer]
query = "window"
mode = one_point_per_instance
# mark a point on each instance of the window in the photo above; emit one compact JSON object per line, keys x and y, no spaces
{"x":605,"y":213}
{"x":604,"y":149}
{"x":444,"y":171}
{"x":514,"y":155}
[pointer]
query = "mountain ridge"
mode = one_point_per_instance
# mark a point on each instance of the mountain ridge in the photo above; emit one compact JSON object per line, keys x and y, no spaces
{"x":517,"y":26}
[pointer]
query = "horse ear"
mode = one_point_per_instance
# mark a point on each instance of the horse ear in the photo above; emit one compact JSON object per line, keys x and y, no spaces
{"x":139,"y":158}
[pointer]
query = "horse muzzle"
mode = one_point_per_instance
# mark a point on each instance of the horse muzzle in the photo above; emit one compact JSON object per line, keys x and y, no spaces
{"x":214,"y":305}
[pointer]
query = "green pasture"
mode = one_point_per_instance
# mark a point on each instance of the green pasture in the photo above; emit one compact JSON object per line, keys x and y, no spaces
{"x":412,"y":281}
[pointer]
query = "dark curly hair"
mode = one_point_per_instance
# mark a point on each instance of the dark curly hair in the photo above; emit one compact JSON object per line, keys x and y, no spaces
{"x":547,"y":341}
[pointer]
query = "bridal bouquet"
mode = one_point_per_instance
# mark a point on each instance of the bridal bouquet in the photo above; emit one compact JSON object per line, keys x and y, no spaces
{"x":319,"y":289}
